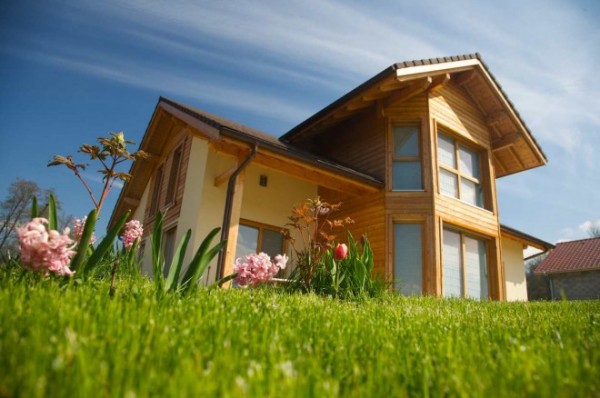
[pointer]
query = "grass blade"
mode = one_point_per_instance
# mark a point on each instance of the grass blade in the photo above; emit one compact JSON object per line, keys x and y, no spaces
{"x":157,"y":256}
{"x":84,"y":242}
{"x":106,"y":243}
{"x":175,"y":268}
{"x":52,"y":218}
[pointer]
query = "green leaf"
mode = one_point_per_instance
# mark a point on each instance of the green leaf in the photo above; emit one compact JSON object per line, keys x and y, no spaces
{"x":106,"y":243}
{"x":84,"y":242}
{"x":34,"y":207}
{"x":175,"y":268}
{"x":157,"y":256}
{"x":201,"y":260}
{"x":52,"y":219}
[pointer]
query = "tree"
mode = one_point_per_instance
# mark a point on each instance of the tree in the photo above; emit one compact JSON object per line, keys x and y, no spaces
{"x":15,"y":209}
{"x":594,"y":230}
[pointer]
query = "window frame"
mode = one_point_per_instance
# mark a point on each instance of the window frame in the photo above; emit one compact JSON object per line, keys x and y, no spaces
{"x":463,"y":260}
{"x":422,"y":237}
{"x":261,"y":228}
{"x":459,"y":174}
{"x":156,"y":191}
{"x":406,"y":159}
{"x":173,"y":181}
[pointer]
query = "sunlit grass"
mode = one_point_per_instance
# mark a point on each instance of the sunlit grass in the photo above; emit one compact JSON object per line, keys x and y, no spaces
{"x":73,"y":340}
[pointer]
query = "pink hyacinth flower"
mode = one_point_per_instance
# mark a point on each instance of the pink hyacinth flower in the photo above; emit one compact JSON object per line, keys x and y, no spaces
{"x":133,"y":230}
{"x":44,"y":250}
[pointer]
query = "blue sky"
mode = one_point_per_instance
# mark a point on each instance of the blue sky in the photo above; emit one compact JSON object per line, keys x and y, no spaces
{"x":71,"y":71}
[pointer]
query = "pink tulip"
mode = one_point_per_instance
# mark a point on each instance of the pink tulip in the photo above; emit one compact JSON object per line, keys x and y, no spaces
{"x":340,"y":252}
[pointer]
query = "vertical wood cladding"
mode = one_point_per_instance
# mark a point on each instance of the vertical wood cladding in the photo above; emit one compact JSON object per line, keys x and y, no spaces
{"x":358,"y":141}
{"x":368,"y":214}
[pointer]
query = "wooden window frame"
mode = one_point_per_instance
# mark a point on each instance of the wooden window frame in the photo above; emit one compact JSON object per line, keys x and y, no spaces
{"x":400,"y":159}
{"x":173,"y":182}
{"x":479,"y":182}
{"x":422,"y":224}
{"x":261,"y":227}
{"x":156,"y":191}
{"x":463,"y":251}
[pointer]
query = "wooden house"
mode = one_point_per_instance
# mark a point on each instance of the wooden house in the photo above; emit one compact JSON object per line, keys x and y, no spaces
{"x":413,"y":153}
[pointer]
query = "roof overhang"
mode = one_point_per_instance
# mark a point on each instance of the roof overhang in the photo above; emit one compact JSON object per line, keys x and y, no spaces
{"x":513,"y":146}
{"x":171,"y":119}
{"x":525,"y":239}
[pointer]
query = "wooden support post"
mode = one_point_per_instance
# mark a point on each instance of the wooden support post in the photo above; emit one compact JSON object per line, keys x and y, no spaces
{"x":236,"y":209}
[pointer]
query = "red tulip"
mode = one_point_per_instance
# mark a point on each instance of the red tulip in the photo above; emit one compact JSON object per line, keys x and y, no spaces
{"x":340,"y":252}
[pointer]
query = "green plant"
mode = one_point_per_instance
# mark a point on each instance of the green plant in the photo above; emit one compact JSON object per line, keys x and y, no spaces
{"x":111,"y":153}
{"x":351,"y":276}
{"x":195,"y":268}
{"x":314,"y":223}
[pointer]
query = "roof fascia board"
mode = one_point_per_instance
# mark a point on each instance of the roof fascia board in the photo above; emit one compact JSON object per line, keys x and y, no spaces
{"x":210,"y":131}
{"x":415,"y":72}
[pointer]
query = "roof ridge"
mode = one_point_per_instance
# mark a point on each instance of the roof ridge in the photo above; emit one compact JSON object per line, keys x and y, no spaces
{"x":578,"y":240}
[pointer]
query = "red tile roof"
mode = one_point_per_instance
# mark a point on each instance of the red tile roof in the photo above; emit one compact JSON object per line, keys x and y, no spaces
{"x":577,"y":255}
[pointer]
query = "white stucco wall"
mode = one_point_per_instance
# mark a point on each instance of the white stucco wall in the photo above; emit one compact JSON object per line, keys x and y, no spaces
{"x":514,"y":270}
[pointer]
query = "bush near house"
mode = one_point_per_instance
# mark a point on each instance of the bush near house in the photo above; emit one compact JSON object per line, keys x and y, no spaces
{"x":63,"y":339}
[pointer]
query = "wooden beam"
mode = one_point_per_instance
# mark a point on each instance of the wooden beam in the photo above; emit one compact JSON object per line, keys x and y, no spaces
{"x":234,"y":226}
{"x":131,"y":201}
{"x":465,"y":77}
{"x":224,"y":177}
{"x":495,"y":117}
{"x":505,"y":142}
{"x":414,"y":89}
{"x":439,"y":82}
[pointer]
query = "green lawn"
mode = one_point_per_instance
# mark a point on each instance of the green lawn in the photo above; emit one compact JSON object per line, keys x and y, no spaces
{"x":74,"y":341}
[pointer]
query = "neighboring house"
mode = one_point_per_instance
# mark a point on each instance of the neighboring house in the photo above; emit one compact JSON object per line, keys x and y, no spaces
{"x":413,"y":154}
{"x":572,"y":270}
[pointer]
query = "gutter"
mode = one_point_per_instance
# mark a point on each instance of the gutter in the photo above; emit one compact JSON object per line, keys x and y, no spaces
{"x":228,"y":206}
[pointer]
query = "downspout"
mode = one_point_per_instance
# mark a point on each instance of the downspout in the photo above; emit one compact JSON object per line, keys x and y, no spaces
{"x":228,"y":205}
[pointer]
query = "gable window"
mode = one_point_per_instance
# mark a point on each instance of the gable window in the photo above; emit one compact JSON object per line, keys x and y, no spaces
{"x":174,"y":176}
{"x":459,"y":171}
{"x":408,"y":258}
{"x":464,"y":266}
{"x":406,"y":159}
{"x":154,"y":203}
{"x":256,"y":238}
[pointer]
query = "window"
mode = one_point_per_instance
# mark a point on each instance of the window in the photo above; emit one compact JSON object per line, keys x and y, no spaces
{"x":406,"y":159}
{"x":154,"y":203}
{"x":408,"y":261}
{"x":464,"y":266}
{"x":256,"y":238}
{"x":459,"y":171}
{"x":169,"y":248}
{"x":174,"y":176}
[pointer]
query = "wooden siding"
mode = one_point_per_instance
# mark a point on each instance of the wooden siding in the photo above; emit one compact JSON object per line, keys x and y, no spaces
{"x":453,"y":109}
{"x":173,"y":209}
{"x":368,"y":214}
{"x":358,"y":141}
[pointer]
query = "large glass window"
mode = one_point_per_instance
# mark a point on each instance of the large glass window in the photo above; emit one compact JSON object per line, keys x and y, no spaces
{"x":459,"y":171}
{"x":256,"y":238}
{"x":464,"y":263}
{"x":408,"y":258}
{"x":406,"y":162}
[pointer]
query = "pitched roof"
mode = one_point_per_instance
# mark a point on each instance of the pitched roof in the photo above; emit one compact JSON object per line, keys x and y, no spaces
{"x":250,"y":135}
{"x":577,"y":255}
{"x":517,"y":149}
